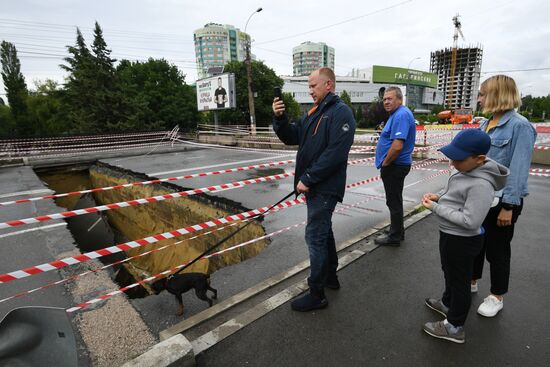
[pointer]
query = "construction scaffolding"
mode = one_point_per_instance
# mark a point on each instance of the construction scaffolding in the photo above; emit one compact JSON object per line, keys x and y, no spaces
{"x":461,"y":89}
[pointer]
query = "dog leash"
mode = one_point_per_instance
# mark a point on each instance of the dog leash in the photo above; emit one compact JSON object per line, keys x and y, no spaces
{"x":231,"y":235}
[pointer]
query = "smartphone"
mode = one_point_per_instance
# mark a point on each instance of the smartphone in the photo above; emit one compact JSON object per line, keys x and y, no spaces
{"x":277,"y":93}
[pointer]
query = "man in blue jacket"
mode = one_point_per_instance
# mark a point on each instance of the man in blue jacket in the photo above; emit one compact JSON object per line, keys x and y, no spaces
{"x":394,"y":159}
{"x":324,"y":137}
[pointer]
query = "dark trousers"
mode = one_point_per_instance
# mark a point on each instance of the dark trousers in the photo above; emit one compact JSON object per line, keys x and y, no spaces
{"x":457,"y":261}
{"x":497,"y":249}
{"x":393,"y":177}
{"x":320,"y":240}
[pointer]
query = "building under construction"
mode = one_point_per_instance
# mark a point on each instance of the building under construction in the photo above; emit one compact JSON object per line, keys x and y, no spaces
{"x":460,"y":91}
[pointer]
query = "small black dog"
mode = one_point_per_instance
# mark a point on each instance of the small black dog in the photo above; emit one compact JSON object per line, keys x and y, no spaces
{"x":180,"y":283}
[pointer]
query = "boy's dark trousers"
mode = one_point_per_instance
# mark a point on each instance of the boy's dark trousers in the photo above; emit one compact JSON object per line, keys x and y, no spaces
{"x":457,"y":261}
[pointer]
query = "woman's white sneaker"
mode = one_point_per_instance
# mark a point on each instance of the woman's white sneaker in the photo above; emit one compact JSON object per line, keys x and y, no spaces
{"x":490,"y":306}
{"x":473,"y":287}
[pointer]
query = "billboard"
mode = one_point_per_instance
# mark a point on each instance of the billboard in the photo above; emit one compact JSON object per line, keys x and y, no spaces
{"x":216,"y":93}
{"x":388,"y":74}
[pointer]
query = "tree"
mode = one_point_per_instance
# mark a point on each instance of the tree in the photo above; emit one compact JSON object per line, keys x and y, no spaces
{"x":16,"y":88}
{"x":376,"y":113}
{"x":79,"y":87}
{"x":44,"y":105}
{"x":7,"y":123}
{"x":344,"y":96}
{"x":160,"y":91}
{"x":359,"y":116}
{"x":94,"y":98}
{"x":292,"y":107}
{"x":264,"y":80}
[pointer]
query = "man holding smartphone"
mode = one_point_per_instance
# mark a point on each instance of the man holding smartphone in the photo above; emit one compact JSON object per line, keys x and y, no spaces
{"x":324,"y":137}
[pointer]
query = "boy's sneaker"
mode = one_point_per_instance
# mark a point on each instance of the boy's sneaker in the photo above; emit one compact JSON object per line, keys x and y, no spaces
{"x":438,"y":329}
{"x":309,"y":302}
{"x":437,"y":305}
{"x":473,"y":287}
{"x":490,"y":306}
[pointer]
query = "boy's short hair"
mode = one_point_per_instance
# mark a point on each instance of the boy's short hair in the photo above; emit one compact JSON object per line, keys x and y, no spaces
{"x":467,"y":143}
{"x":501,"y":94}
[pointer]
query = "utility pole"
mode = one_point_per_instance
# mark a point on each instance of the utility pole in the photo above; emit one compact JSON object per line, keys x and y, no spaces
{"x":248,"y":62}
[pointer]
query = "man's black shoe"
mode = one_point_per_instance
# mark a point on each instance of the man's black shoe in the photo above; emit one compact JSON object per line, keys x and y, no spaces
{"x":387,"y":241}
{"x":309,"y":302}
{"x":333,"y":283}
{"x":387,"y":232}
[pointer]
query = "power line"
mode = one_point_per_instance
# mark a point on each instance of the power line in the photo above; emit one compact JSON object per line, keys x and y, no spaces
{"x":513,"y":70}
{"x":336,"y":24}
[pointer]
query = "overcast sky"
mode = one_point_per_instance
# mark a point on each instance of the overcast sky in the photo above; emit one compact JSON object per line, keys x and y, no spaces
{"x":514,"y":34}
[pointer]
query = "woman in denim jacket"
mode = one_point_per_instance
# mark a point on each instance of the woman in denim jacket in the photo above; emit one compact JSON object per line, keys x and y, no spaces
{"x":512,"y":142}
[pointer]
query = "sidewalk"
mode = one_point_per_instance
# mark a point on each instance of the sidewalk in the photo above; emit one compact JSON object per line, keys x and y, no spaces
{"x":376,"y":318}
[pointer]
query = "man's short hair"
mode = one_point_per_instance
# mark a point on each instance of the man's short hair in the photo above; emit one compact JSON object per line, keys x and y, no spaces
{"x":397,"y":91}
{"x":328,"y":73}
{"x":501,"y":94}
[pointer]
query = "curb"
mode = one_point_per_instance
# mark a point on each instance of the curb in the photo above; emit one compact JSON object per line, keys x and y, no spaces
{"x":175,"y":351}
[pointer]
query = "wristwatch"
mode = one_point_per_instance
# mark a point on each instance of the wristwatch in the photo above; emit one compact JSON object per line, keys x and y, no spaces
{"x":507,"y":206}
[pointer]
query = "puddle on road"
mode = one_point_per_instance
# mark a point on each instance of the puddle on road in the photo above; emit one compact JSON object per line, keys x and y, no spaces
{"x":95,"y":231}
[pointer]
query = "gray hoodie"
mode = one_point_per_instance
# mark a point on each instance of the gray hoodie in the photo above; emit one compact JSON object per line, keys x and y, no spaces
{"x":466,"y":200}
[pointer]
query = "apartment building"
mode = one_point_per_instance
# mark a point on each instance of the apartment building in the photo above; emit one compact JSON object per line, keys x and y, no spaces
{"x":310,"y":56}
{"x":462,"y":91}
{"x":216,"y":45}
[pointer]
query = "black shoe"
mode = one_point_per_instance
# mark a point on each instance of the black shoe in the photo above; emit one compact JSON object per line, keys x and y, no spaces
{"x":387,"y":241}
{"x":332,"y":283}
{"x":309,"y":302}
{"x":387,"y":232}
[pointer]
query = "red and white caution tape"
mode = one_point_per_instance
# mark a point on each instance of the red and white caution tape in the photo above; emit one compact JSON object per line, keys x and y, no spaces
{"x":539,"y":170}
{"x":542,"y":147}
{"x":143,"y":183}
{"x":15,"y":142}
{"x":74,"y":277}
{"x":124,"y":204}
{"x":19,"y":274}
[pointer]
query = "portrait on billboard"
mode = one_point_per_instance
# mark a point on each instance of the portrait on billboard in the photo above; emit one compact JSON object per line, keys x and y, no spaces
{"x":216,"y":93}
{"x":220,"y":95}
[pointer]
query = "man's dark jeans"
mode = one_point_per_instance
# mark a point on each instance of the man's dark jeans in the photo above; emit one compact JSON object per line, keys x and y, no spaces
{"x":320,"y":240}
{"x":393,"y":177}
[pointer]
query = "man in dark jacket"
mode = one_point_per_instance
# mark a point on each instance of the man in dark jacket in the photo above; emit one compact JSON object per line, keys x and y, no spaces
{"x":324,"y":137}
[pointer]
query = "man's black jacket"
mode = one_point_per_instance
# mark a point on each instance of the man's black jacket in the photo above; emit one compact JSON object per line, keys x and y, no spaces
{"x":324,"y":137}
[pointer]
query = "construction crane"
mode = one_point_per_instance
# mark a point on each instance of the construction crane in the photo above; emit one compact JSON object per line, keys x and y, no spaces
{"x":458,"y":31}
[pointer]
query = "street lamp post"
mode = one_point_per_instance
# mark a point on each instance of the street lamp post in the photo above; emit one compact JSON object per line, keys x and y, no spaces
{"x":409,"y":77}
{"x":249,"y":77}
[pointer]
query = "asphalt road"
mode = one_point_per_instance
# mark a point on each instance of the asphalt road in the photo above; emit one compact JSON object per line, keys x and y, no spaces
{"x":376,"y":318}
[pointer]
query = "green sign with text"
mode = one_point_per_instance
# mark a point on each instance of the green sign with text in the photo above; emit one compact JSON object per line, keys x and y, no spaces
{"x":391,"y":75}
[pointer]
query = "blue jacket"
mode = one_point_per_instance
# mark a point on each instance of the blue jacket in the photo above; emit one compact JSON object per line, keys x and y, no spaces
{"x":512,"y":142}
{"x":324,"y":137}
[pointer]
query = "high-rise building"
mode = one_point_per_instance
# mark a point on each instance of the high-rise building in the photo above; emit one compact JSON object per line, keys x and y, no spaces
{"x":216,"y":45}
{"x":310,"y":56}
{"x":460,"y":92}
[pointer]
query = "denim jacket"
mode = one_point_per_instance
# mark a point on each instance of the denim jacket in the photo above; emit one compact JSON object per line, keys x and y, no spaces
{"x":512,"y":144}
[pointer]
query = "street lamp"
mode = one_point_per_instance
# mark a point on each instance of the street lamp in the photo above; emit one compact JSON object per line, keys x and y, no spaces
{"x":249,"y":77}
{"x":409,"y":77}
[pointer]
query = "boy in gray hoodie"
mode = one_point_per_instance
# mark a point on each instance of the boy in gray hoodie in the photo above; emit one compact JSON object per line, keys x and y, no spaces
{"x":460,"y":209}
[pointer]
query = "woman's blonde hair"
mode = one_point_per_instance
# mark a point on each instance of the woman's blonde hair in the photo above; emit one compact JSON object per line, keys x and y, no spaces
{"x":501,"y":94}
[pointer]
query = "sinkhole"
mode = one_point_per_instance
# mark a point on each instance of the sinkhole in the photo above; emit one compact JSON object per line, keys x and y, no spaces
{"x":95,"y":231}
